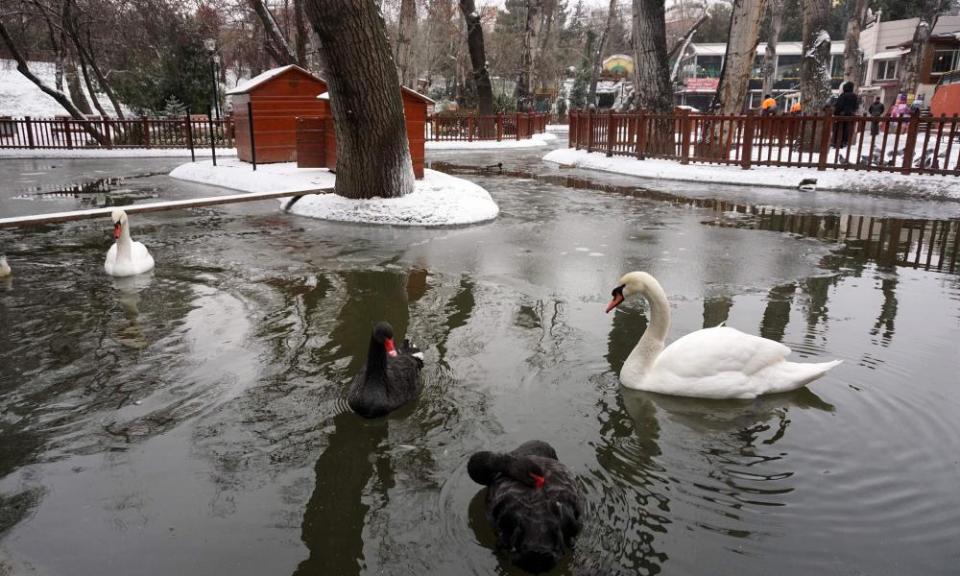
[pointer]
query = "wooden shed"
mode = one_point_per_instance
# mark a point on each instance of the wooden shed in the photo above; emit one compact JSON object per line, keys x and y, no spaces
{"x":277,"y":97}
{"x":317,"y":137}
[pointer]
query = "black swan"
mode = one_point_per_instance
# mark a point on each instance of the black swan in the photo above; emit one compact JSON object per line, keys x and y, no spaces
{"x":532,"y":502}
{"x":390,"y":379}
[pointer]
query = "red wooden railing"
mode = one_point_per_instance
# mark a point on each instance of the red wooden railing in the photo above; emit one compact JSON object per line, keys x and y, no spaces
{"x":907,"y":145}
{"x":517,"y":126}
{"x":68,"y":133}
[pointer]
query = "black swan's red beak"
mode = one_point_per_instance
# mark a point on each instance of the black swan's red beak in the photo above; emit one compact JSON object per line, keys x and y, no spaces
{"x":388,"y":345}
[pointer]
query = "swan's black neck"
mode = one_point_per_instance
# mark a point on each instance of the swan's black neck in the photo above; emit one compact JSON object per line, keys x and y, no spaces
{"x":376,"y":359}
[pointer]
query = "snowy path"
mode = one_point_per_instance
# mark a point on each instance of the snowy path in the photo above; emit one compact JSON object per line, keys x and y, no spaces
{"x":942,"y":187}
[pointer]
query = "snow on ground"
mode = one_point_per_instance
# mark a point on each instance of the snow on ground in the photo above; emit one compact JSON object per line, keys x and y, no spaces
{"x":947,"y":187}
{"x":21,"y":97}
{"x":114,"y":153}
{"x":558,"y":127}
{"x":533,"y":142}
{"x":437,"y":200}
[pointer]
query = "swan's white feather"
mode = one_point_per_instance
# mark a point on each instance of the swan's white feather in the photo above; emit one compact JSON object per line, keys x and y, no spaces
{"x":719,"y":362}
{"x":721,"y":349}
{"x":140,"y":261}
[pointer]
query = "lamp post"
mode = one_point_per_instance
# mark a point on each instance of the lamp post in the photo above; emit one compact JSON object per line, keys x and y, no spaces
{"x":211,"y":45}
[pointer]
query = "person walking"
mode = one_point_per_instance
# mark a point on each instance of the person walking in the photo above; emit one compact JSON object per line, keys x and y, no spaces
{"x":847,"y":104}
{"x":876,"y":111}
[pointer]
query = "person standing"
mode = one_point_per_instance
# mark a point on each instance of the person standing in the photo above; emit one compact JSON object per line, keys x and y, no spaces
{"x":847,"y":104}
{"x":876,"y":111}
{"x":769,"y":105}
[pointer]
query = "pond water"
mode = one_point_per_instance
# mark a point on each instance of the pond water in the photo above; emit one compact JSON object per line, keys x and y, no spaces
{"x":193,"y":421}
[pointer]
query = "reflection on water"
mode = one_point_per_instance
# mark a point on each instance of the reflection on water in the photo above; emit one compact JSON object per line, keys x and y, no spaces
{"x":930,"y":244}
{"x":97,"y":193}
{"x":194,"y":418}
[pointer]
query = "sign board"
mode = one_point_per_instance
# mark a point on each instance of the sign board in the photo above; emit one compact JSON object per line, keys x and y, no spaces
{"x":702,"y":84}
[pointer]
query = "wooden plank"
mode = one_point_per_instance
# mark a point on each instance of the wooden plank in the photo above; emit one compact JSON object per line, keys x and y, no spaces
{"x":55,"y":217}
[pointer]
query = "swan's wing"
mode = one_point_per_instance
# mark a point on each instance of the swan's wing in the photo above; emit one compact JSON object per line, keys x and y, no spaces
{"x":141,"y":257}
{"x":111,"y":259}
{"x":712,"y":351}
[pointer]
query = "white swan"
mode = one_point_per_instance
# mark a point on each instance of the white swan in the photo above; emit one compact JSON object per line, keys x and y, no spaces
{"x":126,"y":257}
{"x":4,"y":267}
{"x":711,"y":363}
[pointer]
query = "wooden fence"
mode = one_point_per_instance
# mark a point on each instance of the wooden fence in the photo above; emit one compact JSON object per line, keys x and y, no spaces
{"x":518,"y":126}
{"x":68,"y":133}
{"x":910,"y":145}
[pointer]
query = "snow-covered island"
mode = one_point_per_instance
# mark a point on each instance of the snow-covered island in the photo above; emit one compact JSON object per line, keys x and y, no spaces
{"x":438,"y":199}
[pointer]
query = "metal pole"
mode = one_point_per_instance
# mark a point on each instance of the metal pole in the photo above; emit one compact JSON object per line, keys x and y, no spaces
{"x":253,"y":143}
{"x":193,"y":156}
{"x":213,"y":78}
{"x":213,"y":142}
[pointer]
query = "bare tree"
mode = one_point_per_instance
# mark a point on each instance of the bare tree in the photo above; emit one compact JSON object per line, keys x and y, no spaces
{"x":531,"y":28}
{"x":910,"y":71}
{"x":405,"y":33}
{"x":851,"y":46}
{"x":301,"y":28}
{"x":60,"y":97}
{"x":775,"y":9}
{"x":373,"y":155}
{"x":478,"y":58}
{"x":277,"y":44}
{"x":598,"y":55}
{"x":815,"y":62}
{"x":731,"y":94}
{"x":651,"y":75}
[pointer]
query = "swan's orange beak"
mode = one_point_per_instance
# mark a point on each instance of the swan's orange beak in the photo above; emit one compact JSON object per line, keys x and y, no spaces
{"x":617,"y":299}
{"x":391,"y":349}
{"x":116,"y":230}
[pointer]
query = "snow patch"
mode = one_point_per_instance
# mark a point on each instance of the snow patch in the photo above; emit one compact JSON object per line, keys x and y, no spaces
{"x":533,"y":142}
{"x":942,"y":187}
{"x":558,"y":127}
{"x":437,"y":200}
{"x":21,"y":97}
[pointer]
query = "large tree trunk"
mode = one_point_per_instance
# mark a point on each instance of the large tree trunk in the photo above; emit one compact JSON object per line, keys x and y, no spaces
{"x":731,"y":95}
{"x":373,"y":155}
{"x":90,"y":88}
{"x":302,"y":37}
{"x":478,"y":57}
{"x":60,"y":97}
{"x":549,"y":9}
{"x":73,"y":86}
{"x":851,"y":46}
{"x":910,"y":70}
{"x":814,"y":65}
{"x":405,"y":33}
{"x":524,"y":90}
{"x":598,"y":56}
{"x":276,"y":44}
{"x":651,"y":75}
{"x":775,"y":9}
{"x":87,"y":54}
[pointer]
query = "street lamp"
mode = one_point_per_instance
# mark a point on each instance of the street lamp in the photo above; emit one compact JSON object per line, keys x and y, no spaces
{"x":211,"y":45}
